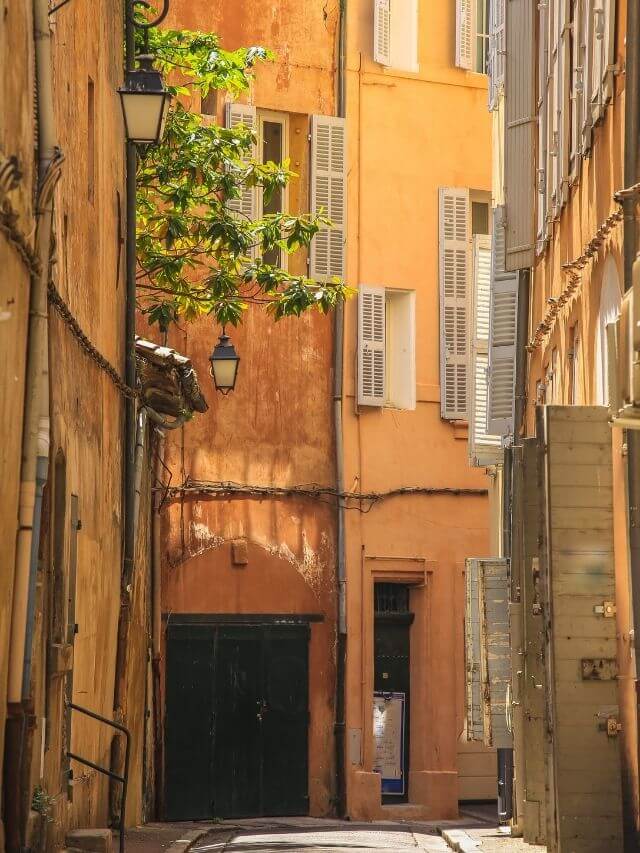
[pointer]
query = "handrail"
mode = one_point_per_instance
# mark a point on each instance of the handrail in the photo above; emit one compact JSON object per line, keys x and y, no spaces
{"x":124,"y":779}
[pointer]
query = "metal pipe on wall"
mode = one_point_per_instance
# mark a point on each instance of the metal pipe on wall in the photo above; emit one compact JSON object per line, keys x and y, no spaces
{"x":338,"y":366}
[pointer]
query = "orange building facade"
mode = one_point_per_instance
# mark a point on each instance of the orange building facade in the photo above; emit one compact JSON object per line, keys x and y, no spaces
{"x":335,"y":627}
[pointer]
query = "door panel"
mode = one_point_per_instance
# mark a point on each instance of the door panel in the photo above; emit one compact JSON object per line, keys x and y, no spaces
{"x":189,"y":722}
{"x":285,"y":722}
{"x":238,"y":700}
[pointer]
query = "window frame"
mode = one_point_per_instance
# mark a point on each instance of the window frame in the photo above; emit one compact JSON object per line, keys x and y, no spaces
{"x":281,"y":118}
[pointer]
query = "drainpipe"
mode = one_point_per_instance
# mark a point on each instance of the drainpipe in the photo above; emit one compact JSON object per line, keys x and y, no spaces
{"x":35,"y":435}
{"x":631,"y":270}
{"x":156,"y":629}
{"x":338,"y":358}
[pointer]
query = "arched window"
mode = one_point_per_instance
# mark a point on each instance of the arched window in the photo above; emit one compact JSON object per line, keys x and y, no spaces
{"x":610,"y":302}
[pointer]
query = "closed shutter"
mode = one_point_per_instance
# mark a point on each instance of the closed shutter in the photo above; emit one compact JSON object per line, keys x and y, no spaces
{"x":542,"y":154}
{"x":583,"y":754}
{"x":577,"y":69}
{"x":328,"y":195}
{"x":502,"y":336}
{"x":564,"y":99}
{"x":553,"y":84}
{"x":520,"y":122}
{"x":473,"y":658}
{"x":609,"y":51}
{"x":247,"y":203}
{"x":587,"y":73}
{"x":464,"y":34}
{"x":495,"y":650}
{"x":371,"y":346}
{"x":484,"y":449}
{"x":455,"y":257}
{"x":382,"y":31}
{"x":496,"y":52}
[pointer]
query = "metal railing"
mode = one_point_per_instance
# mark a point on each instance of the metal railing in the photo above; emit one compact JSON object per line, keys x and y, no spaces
{"x":124,"y":779}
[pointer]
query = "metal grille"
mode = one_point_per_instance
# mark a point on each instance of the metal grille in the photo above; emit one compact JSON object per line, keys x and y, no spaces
{"x":391,"y":598}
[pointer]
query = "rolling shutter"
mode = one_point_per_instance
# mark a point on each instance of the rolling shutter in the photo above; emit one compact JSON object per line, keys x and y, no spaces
{"x":247,"y":203}
{"x":464,"y":34}
{"x":484,"y":449}
{"x":495,"y":650}
{"x":503,"y":314}
{"x":473,"y":662}
{"x":371,"y":346}
{"x":382,"y":31}
{"x":520,"y":128}
{"x":328,"y":194}
{"x":496,"y":52}
{"x":454,"y":302}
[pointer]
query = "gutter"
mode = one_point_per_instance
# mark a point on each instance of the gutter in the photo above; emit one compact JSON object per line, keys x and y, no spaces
{"x":341,"y":579}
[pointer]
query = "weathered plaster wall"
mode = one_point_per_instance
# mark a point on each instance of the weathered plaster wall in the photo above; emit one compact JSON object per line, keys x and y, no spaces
{"x":16,"y":139}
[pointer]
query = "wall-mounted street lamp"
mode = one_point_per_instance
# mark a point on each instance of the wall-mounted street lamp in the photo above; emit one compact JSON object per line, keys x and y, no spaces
{"x":224,"y":364}
{"x":145,"y":103}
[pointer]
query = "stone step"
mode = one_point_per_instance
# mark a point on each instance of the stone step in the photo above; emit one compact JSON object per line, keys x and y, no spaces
{"x":90,"y":840}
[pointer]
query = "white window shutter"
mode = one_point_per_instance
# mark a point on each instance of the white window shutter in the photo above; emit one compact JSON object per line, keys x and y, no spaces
{"x":542,"y":164}
{"x":564,"y":99}
{"x":495,"y":649}
{"x":464,"y":34}
{"x":455,"y":263}
{"x":484,"y":449}
{"x":382,"y":31}
{"x":519,"y":134}
{"x":496,"y":52}
{"x":329,"y":195}
{"x":473,"y":659}
{"x":247,"y":204}
{"x":371,"y":346}
{"x":587,"y":36}
{"x":502,"y":336}
{"x":608,"y":51}
{"x":577,"y":83}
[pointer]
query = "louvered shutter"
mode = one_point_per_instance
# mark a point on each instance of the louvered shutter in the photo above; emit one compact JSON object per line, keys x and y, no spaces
{"x":244,"y":114}
{"x":587,"y":74}
{"x":455,"y":252}
{"x":564,"y":99}
{"x":577,"y":70}
{"x":495,"y":650}
{"x":382,"y":31}
{"x":502,"y":336}
{"x":608,"y":51}
{"x":473,"y":661}
{"x":542,"y":165}
{"x":484,"y":449}
{"x":464,"y":34}
{"x":520,"y":128}
{"x":554,"y":110}
{"x":496,"y":52}
{"x":329,"y":195}
{"x":371,"y":346}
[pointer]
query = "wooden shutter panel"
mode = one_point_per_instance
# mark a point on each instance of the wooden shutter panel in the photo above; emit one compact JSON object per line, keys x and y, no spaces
{"x":495,"y":650}
{"x":371,"y":346}
{"x":503,"y":314}
{"x":454,"y":302}
{"x":382,"y":31}
{"x":464,"y":34}
{"x":473,"y":662}
{"x":484,"y":449}
{"x":608,"y":51}
{"x":496,"y":52}
{"x":329,"y":194}
{"x":244,"y":114}
{"x":587,"y":74}
{"x":520,"y":127}
{"x":577,"y":70}
{"x":583,"y":761}
{"x":543,"y":97}
{"x":564,"y":99}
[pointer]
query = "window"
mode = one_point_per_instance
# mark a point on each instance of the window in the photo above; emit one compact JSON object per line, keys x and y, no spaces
{"x":610,"y":306}
{"x":472,"y":35}
{"x":395,"y":34}
{"x":386,"y":347}
{"x":273,"y":147}
{"x":209,"y":103}
{"x":480,"y":218}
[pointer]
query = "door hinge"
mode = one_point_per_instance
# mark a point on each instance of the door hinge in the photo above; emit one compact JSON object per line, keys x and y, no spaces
{"x":606,"y":609}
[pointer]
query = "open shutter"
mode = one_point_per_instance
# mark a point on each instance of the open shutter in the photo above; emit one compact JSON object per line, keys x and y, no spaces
{"x":329,"y":195}
{"x":520,"y":128}
{"x":464,"y":34}
{"x":563,"y":99}
{"x":503,"y":314}
{"x":583,"y":756}
{"x":587,"y":36}
{"x":473,"y":662}
{"x":382,"y":31}
{"x":577,"y":83}
{"x":495,"y":649}
{"x":484,"y":449}
{"x":371,"y":346}
{"x":454,"y":302}
{"x":543,"y":110}
{"x":247,"y":203}
{"x":496,"y":52}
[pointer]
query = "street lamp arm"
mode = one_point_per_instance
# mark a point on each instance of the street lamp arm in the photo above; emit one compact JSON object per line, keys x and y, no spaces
{"x":147,"y":25}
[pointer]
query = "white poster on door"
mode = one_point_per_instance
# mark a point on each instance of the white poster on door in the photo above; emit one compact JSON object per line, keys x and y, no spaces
{"x":388,"y":736}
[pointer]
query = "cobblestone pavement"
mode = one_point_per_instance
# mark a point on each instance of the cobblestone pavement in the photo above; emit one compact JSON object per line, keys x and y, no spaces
{"x":325,"y":837}
{"x":490,"y":839}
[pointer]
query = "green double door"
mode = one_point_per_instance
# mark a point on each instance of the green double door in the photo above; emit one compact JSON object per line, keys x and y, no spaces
{"x":237,"y":719}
